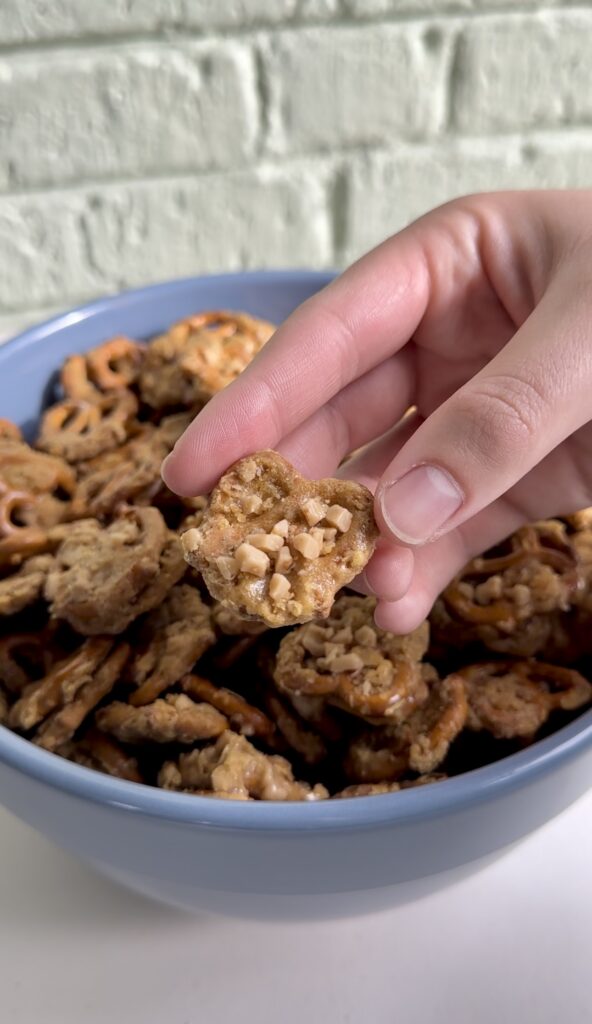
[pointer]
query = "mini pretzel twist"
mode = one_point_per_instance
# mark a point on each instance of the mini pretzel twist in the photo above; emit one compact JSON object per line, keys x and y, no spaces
{"x":77,"y":429}
{"x":112,"y":366}
{"x":243,"y":717}
{"x":9,"y":430}
{"x":537,"y":544}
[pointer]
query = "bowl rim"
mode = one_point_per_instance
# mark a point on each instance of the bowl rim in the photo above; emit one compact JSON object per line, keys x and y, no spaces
{"x":425,"y":802}
{"x":436,"y":800}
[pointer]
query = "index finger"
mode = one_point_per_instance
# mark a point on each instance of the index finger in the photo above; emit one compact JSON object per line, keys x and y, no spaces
{"x":336,"y":336}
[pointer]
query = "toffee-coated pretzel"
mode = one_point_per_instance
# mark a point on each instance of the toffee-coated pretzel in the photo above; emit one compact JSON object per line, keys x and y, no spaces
{"x":242,"y":716}
{"x":79,"y":429}
{"x":515,"y":698}
{"x":540,"y":543}
{"x":112,"y":366}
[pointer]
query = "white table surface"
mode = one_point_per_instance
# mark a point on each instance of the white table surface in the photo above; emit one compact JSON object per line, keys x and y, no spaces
{"x":511,"y":944}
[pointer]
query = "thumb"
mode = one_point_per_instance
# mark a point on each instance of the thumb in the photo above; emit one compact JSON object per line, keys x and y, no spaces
{"x":495,"y":428}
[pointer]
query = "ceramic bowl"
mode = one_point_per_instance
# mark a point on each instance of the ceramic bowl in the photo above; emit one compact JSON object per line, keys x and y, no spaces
{"x":261,"y":859}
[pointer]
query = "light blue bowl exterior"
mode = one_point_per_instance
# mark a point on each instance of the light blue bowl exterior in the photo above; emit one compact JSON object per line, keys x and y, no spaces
{"x":262,"y":860}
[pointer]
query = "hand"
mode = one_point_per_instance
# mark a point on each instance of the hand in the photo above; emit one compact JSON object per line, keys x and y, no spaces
{"x":480,"y":316}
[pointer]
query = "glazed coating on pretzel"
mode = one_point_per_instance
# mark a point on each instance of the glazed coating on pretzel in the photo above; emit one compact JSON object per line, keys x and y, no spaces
{"x":25,"y":658}
{"x":199,"y":356}
{"x":129,"y":474}
{"x":35,"y":495}
{"x":112,"y":366}
{"x":276,"y":547}
{"x":509,"y":600}
{"x":242,"y":716}
{"x":172,"y":639}
{"x":173,"y":719}
{"x":78,"y":429}
{"x":96,"y":750}
{"x":418,"y":744}
{"x":234,"y":768}
{"x":355,"y":665}
{"x":25,"y":586}
{"x":103,"y":577}
{"x":516,"y":698}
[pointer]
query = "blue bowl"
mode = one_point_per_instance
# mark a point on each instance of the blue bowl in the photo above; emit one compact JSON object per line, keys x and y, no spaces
{"x":260,"y":859}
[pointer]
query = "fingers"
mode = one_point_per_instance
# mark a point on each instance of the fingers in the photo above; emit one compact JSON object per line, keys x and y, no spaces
{"x":435,"y":564}
{"x":337,"y":336}
{"x":365,"y":409}
{"x":495,"y":428}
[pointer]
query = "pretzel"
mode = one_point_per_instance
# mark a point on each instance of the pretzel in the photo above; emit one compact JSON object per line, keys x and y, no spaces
{"x":377,"y":788}
{"x":60,"y":686}
{"x":77,"y":429}
{"x":376,"y":756}
{"x":275,"y":547}
{"x":429,"y":731}
{"x":112,"y":366}
{"x":506,"y":600}
{"x":235,"y":769}
{"x":354,"y":664}
{"x":515,"y":698}
{"x":22,"y":544}
{"x":25,"y":658}
{"x":199,"y":356}
{"x":299,"y":736}
{"x":63,"y":723}
{"x":100,"y":752}
{"x":9,"y":430}
{"x":174,"y":719}
{"x":175,"y":636}
{"x":35,"y":488}
{"x":131,"y":473}
{"x":21,"y":535}
{"x":241,"y":715}
{"x":25,"y":586}
{"x":104,"y":577}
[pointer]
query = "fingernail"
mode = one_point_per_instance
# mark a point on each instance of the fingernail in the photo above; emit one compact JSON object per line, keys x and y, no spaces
{"x":163,"y":467}
{"x":419,"y":504}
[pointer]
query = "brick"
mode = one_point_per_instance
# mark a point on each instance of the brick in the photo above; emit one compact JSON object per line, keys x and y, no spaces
{"x":388,"y":191}
{"x":376,"y":8}
{"x":23,"y":21}
{"x":515,"y":73}
{"x":127,"y":110}
{"x":356,"y":85}
{"x":63,"y":247}
{"x":43,"y":257}
{"x":244,"y":14}
{"x":208,"y":14}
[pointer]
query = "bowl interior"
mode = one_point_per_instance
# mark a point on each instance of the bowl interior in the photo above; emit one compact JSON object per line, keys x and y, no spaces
{"x":28,"y":367}
{"x":28,"y":364}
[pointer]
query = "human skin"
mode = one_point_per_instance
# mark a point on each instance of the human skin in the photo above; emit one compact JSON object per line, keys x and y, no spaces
{"x":480,"y":316}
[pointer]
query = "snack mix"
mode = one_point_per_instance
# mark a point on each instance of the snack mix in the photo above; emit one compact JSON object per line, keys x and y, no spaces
{"x":210,"y":646}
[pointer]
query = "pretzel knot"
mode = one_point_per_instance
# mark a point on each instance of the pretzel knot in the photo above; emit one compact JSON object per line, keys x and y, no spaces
{"x":515,"y":698}
{"x":13,"y":506}
{"x":78,"y":429}
{"x":543,"y":544}
{"x":112,"y":366}
{"x":9,"y":430}
{"x":24,"y":658}
{"x":17,"y":539}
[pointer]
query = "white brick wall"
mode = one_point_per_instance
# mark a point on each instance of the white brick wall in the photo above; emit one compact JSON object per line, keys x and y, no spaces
{"x":141,"y":139}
